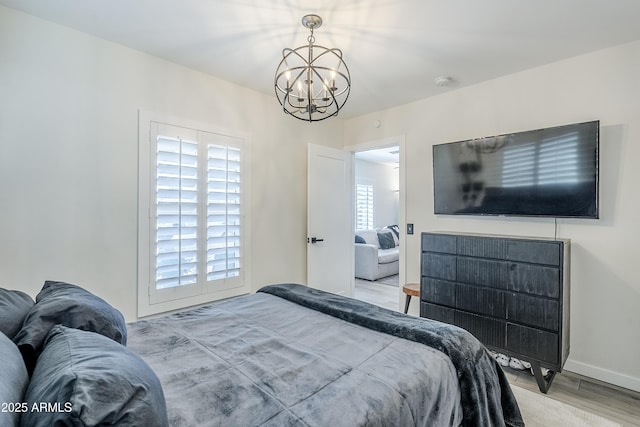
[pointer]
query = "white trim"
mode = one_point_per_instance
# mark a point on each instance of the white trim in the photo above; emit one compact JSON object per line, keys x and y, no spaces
{"x":144,"y":305}
{"x":611,"y":377}
{"x":378,"y":143}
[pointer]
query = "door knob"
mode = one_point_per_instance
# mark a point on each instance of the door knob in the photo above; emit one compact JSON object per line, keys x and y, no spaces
{"x":315,"y":240}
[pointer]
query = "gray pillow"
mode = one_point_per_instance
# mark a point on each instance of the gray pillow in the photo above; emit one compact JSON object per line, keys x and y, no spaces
{"x":395,"y":229}
{"x":94,"y":381}
{"x":60,"y":303}
{"x":386,"y":240}
{"x":13,"y":382}
{"x":14,"y":306}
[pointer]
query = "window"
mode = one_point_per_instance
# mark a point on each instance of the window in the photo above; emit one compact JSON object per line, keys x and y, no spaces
{"x":364,"y":206}
{"x":193,"y":242}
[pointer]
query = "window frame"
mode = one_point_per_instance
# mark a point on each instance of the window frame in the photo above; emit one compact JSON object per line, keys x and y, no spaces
{"x":151,"y":300}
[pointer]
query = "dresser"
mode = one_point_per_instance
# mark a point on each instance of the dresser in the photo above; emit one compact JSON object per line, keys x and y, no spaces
{"x":512,"y":293}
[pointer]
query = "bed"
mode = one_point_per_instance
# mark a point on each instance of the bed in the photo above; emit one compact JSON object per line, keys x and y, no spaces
{"x":291,"y":355}
{"x":287,"y":355}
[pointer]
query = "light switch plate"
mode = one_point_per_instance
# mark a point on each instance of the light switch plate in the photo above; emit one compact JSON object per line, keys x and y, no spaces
{"x":409,"y":228}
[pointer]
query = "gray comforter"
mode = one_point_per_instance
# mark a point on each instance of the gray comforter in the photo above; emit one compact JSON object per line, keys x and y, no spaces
{"x":262,"y":360}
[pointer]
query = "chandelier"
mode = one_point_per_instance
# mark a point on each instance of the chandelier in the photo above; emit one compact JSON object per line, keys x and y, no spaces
{"x":312,"y":83}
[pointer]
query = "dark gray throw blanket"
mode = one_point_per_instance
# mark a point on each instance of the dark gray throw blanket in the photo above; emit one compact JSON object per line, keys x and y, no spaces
{"x":486,"y":397}
{"x":261,"y":360}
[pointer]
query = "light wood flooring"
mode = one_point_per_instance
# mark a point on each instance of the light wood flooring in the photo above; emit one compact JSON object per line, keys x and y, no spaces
{"x":608,"y":401}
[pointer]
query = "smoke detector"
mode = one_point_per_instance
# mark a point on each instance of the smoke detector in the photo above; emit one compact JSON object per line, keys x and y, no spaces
{"x":443,"y":81}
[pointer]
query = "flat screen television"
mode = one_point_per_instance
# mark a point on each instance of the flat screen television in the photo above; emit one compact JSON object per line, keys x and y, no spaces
{"x":545,"y":172}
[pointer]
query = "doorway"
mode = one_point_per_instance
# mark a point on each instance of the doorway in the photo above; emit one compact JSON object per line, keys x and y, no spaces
{"x":378,"y":218}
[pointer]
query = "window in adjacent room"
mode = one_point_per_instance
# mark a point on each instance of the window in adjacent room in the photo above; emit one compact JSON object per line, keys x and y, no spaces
{"x":364,"y":206}
{"x":193,"y":240}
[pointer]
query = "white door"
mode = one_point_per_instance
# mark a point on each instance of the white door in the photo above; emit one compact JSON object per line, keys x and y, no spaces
{"x":329,"y":220}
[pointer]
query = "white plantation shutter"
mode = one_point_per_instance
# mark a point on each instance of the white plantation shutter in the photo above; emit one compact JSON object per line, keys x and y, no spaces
{"x":364,"y":206}
{"x":176,"y":228}
{"x":223,"y":212}
{"x":196,"y":213}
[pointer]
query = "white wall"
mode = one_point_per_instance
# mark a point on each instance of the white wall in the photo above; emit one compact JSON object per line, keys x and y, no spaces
{"x":69,"y":157}
{"x":384,"y":179}
{"x":605,"y":270}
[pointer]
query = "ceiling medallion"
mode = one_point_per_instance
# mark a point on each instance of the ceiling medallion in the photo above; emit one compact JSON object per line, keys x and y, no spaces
{"x":312,"y":82}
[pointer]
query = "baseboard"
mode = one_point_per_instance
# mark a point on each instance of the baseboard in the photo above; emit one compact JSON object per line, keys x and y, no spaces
{"x":611,"y":377}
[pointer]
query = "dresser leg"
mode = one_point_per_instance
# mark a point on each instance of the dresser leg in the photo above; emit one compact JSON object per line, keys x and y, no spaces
{"x":544,"y":381}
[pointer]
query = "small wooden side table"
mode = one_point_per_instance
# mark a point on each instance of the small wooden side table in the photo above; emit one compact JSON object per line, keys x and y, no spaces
{"x":412,"y":290}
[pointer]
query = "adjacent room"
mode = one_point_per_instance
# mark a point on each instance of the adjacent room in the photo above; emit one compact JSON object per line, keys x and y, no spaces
{"x":377,"y":202}
{"x":231,"y":205}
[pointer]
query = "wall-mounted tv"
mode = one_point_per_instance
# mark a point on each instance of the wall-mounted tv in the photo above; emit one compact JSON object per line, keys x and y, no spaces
{"x":544,"y":172}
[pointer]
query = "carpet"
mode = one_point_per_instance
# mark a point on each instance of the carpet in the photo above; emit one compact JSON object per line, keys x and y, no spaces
{"x":539,"y":410}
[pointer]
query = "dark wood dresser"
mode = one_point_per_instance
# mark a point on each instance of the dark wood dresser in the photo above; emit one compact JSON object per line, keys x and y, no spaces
{"x":512,"y":293}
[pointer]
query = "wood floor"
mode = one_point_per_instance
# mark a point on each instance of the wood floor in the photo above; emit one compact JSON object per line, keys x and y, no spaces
{"x":608,"y":401}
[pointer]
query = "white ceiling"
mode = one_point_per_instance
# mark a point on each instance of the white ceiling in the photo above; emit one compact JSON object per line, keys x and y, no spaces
{"x":388,"y":155}
{"x":393,"y":48}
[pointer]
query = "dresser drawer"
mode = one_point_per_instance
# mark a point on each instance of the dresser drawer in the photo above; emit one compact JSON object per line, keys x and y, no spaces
{"x":481,"y":300}
{"x":482,"y":247}
{"x":534,"y":252}
{"x":439,"y":266}
{"x":533,"y":311}
{"x":438,"y":291}
{"x":535,"y":343}
{"x":437,"y":312}
{"x":535,"y":279}
{"x":483,"y":272}
{"x":488,"y":331}
{"x":444,"y":243}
